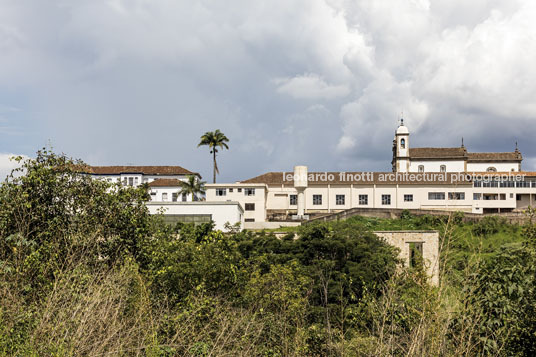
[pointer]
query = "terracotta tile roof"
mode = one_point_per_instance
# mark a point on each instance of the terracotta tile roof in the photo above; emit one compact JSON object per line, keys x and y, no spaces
{"x":494,"y":156}
{"x":437,"y":153}
{"x":146,"y":170}
{"x":359,"y":178}
{"x":165,"y":183}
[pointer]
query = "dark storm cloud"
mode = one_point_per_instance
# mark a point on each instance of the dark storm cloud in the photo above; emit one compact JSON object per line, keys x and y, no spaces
{"x":316,"y":82}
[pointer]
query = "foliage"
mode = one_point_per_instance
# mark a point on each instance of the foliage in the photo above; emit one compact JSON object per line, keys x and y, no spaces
{"x":192,"y":186}
{"x":488,"y":225}
{"x":85,"y":270}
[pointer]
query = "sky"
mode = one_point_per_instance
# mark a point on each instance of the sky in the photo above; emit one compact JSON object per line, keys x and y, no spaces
{"x":320,"y":83}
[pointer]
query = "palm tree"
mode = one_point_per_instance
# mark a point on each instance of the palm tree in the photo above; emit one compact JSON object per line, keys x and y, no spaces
{"x":214,"y":139}
{"x":192,"y":186}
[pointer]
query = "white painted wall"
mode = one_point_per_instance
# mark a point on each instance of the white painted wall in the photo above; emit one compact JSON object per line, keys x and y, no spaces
{"x":221,"y":212}
{"x":238,"y":195}
{"x":500,"y":166}
{"x":434,"y":166}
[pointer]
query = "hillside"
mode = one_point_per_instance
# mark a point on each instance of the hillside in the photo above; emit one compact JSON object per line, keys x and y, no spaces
{"x":86,"y":271}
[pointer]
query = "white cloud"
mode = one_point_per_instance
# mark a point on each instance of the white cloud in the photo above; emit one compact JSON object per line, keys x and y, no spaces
{"x":316,"y":81}
{"x":7,"y":165}
{"x":310,"y":86}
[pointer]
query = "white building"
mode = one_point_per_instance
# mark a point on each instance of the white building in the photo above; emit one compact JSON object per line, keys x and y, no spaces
{"x":164,"y":184}
{"x":457,"y":159}
{"x":164,"y":181}
{"x":422,"y":178}
{"x":200,"y":212}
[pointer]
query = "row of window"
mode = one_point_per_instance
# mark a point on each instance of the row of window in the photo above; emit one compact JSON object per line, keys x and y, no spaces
{"x":504,"y":183}
{"x":340,"y":200}
{"x":443,"y":168}
{"x":491,"y":196}
{"x":174,"y":197}
{"x":247,"y":191}
{"x":386,"y":198}
{"x":451,"y":195}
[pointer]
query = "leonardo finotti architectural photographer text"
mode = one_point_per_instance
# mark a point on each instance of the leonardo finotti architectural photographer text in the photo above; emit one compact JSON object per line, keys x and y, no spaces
{"x":371,"y":177}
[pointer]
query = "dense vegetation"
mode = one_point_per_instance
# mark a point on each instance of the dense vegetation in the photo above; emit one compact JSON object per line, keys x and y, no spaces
{"x":85,"y":270}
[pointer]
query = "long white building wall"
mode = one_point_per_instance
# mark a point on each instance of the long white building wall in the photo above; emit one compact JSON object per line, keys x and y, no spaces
{"x":220,"y":212}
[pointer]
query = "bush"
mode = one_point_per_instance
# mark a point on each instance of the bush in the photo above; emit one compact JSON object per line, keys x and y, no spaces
{"x":487,"y":225}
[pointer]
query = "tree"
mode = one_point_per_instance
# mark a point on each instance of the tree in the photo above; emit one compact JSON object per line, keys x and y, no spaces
{"x":192,"y":187}
{"x":214,"y":140}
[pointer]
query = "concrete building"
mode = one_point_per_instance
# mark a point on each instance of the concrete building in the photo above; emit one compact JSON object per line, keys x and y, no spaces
{"x":411,"y":243}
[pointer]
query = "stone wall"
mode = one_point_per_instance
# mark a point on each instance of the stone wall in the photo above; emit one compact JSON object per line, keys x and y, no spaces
{"x":430,"y":244}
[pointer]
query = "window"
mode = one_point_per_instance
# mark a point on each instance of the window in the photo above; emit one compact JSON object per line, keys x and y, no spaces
{"x":415,"y":254}
{"x":317,"y":200}
{"x":442,"y":168}
{"x":339,"y":199}
{"x":502,"y":196}
{"x":136,"y":181}
{"x":249,"y":220}
{"x":249,"y":192}
{"x":456,"y":195}
{"x":221,"y":192}
{"x":421,"y":168}
{"x":408,"y":198}
{"x":363,"y":200}
{"x":109,"y":180}
{"x":386,"y":199}
{"x":131,"y":181}
{"x":293,"y":200}
{"x":403,"y":143}
{"x":184,"y":198}
{"x":164,"y":196}
{"x":523,"y":183}
{"x":491,"y":169}
{"x":518,"y":197}
{"x":230,"y":190}
{"x":477,"y":196}
{"x":477,"y":183}
{"x":249,"y":206}
{"x":511,"y":195}
{"x":174,"y":196}
{"x":239,"y":190}
{"x":436,"y":195}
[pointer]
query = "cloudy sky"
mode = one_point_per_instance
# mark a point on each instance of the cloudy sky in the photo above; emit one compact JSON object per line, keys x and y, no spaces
{"x":312,"y":82}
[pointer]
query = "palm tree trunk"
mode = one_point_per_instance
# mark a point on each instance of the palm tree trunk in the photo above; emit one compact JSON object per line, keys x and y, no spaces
{"x":214,"y":179}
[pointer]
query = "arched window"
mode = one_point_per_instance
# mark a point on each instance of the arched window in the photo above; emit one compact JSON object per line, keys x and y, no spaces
{"x":421,"y":168}
{"x":442,"y":168}
{"x":491,"y":169}
{"x":403,"y":143}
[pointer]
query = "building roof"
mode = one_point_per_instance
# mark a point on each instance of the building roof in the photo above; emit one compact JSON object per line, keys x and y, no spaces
{"x":494,"y":156}
{"x":438,"y":153}
{"x":146,"y":170}
{"x":460,"y":153}
{"x":165,"y":183}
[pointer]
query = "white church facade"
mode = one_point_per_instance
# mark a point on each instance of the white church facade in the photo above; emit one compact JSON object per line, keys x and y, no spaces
{"x":455,"y":159}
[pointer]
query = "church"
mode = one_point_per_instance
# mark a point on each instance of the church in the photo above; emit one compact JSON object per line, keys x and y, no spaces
{"x":455,"y":159}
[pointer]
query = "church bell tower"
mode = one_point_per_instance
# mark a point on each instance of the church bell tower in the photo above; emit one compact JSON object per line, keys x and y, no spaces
{"x":401,"y":149}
